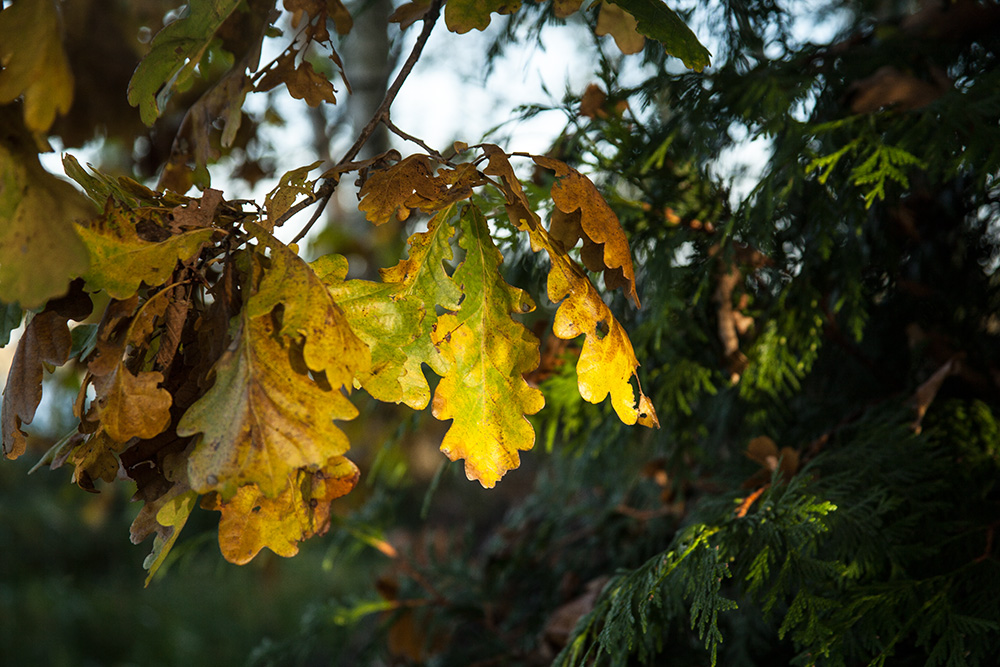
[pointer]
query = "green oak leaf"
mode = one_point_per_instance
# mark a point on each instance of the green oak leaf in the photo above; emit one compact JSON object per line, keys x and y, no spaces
{"x":395,"y":316}
{"x":461,"y":16}
{"x":40,"y":252}
{"x":174,"y":54}
{"x":120,"y":261}
{"x":659,"y":22}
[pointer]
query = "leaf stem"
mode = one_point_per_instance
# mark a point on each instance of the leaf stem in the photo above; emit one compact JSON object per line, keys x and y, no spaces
{"x":325,"y":191}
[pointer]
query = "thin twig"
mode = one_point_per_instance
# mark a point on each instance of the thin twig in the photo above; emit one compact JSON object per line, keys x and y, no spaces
{"x":325,"y":191}
{"x":417,"y":140}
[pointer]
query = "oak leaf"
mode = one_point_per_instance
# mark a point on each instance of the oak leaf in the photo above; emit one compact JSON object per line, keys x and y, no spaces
{"x":133,"y":406}
{"x":395,"y":317}
{"x":174,"y":55}
{"x":263,"y":418}
{"x":607,"y":363}
{"x":461,"y":16}
{"x":165,"y":518}
{"x":39,"y":249}
{"x":615,"y":21}
{"x":251,"y":520}
{"x":291,"y":184}
{"x":657,"y":21}
{"x":487,"y":353}
{"x":34,"y":62}
{"x":564,"y":8}
{"x":411,"y":183}
{"x":302,"y":80}
{"x":93,"y":459}
{"x":120,"y":260}
{"x":46,"y":340}
{"x":309,"y":314}
{"x":582,"y":213}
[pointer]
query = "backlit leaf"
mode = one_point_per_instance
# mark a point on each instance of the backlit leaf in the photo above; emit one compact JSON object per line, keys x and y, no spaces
{"x":34,"y":62}
{"x":251,"y":521}
{"x":607,"y":361}
{"x":300,"y":78}
{"x":395,"y":317}
{"x":581,"y":212}
{"x":310,"y":314}
{"x":46,"y":340}
{"x":657,"y":21}
{"x":487,"y":352}
{"x":171,"y":512}
{"x":174,"y":54}
{"x":276,"y":418}
{"x":412,"y":184}
{"x":120,"y":261}
{"x":39,"y":249}
{"x":461,"y":16}
{"x":291,"y":184}
{"x":615,"y":21}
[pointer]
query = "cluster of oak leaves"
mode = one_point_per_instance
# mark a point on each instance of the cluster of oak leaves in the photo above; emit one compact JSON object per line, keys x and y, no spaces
{"x":222,"y":361}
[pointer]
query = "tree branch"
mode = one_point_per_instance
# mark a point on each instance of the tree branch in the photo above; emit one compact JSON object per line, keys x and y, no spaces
{"x":325,"y":191}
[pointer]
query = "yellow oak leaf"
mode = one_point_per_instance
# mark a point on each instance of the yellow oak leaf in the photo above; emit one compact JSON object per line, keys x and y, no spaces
{"x":607,"y":361}
{"x":120,"y":260}
{"x":133,"y":406}
{"x":487,"y":353}
{"x":328,"y":342}
{"x":165,"y":517}
{"x":581,"y":212}
{"x":615,"y":21}
{"x":264,"y":417}
{"x":93,"y":459}
{"x":411,"y":183}
{"x":395,"y":317}
{"x":251,"y":521}
{"x":34,"y":62}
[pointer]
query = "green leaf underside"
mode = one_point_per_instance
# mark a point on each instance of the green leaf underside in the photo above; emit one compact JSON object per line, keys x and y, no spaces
{"x":659,"y":22}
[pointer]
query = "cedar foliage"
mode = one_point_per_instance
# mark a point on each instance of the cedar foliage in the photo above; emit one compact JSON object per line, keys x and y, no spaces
{"x":821,"y":354}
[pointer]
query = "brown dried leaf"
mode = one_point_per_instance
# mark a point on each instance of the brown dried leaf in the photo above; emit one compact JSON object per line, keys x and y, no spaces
{"x":615,"y":21}
{"x":46,"y":340}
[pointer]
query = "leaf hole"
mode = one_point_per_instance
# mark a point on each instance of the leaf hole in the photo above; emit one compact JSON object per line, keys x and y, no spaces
{"x":313,"y":503}
{"x":256,"y":508}
{"x":601,"y":330}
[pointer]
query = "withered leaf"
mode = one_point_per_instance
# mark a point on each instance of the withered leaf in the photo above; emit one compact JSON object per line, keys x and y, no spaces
{"x":46,"y":340}
{"x":411,"y":183}
{"x":615,"y":21}
{"x":461,"y":16}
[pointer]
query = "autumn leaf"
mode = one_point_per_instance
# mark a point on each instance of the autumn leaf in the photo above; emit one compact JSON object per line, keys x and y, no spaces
{"x":395,"y":316}
{"x":411,"y":183}
{"x":277,"y":419}
{"x":461,"y":16}
{"x":251,"y":520}
{"x":46,"y":340}
{"x":40,"y":252}
{"x":174,"y":54}
{"x":487,"y":352}
{"x":657,"y":21}
{"x":564,"y":8}
{"x":165,"y":518}
{"x":94,"y":459}
{"x":134,"y":406}
{"x":310,"y":314}
{"x":34,"y":62}
{"x":615,"y":21}
{"x":120,"y":261}
{"x":302,"y":80}
{"x":607,"y":363}
{"x":320,"y":10}
{"x":290,"y":185}
{"x":581,"y":212}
